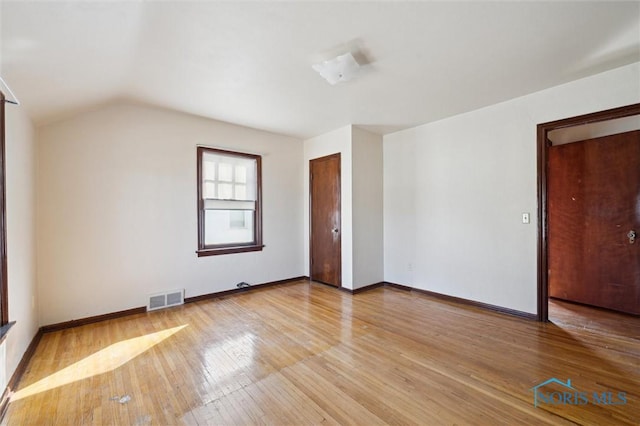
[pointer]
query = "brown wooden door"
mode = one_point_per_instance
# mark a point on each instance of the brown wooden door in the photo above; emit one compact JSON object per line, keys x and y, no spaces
{"x":325,"y":240}
{"x":594,"y":202}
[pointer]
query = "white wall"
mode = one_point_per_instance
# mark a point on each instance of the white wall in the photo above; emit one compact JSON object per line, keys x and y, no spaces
{"x":454,"y":191}
{"x":117,"y":216}
{"x":21,"y":237}
{"x":361,"y":201}
{"x":368,"y":252}
{"x":336,"y":141}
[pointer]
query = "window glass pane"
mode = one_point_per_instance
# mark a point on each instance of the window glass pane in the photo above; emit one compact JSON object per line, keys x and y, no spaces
{"x":252,"y":181}
{"x":241,"y":192}
{"x":241,"y":174}
{"x":225,"y":172}
{"x":218,"y":228}
{"x":238,"y":219}
{"x":209,"y":190}
{"x":225,"y":191}
{"x":209,"y":170}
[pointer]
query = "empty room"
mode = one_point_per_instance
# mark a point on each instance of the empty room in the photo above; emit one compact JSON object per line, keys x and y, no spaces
{"x":319,"y":212}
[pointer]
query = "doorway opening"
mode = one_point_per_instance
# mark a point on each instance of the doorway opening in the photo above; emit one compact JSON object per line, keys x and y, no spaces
{"x":567,"y":131}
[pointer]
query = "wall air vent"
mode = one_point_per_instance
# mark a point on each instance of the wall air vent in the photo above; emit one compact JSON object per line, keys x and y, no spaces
{"x":165,"y":300}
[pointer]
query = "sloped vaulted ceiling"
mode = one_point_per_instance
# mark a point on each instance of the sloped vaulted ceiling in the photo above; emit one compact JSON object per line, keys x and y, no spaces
{"x":250,"y":62}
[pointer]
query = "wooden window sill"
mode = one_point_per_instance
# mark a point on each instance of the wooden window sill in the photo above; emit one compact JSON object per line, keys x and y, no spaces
{"x":228,"y":250}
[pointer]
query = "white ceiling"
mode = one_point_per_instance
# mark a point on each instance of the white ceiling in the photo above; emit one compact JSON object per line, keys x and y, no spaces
{"x":250,"y":62}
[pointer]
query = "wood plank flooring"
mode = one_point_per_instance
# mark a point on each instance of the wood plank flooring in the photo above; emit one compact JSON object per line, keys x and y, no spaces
{"x":305,"y":353}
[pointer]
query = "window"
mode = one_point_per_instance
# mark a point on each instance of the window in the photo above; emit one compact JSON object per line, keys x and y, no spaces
{"x":229,"y":201}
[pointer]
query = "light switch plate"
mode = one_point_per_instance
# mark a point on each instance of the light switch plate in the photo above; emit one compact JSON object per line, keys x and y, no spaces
{"x":525,"y":218}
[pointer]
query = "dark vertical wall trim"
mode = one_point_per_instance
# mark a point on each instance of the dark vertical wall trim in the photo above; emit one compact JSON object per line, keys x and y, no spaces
{"x":543,"y":149}
{"x":4,"y":305}
{"x":542,"y":225}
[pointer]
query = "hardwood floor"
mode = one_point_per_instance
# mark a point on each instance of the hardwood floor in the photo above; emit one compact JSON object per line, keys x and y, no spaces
{"x":572,"y":315}
{"x":305,"y":353}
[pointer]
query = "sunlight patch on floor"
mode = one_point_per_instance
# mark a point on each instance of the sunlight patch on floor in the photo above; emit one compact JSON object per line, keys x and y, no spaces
{"x":103,"y":361}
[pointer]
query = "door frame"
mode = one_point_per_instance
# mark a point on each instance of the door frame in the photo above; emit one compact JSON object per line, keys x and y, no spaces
{"x":325,"y":157}
{"x":4,"y":283}
{"x":543,"y":145}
